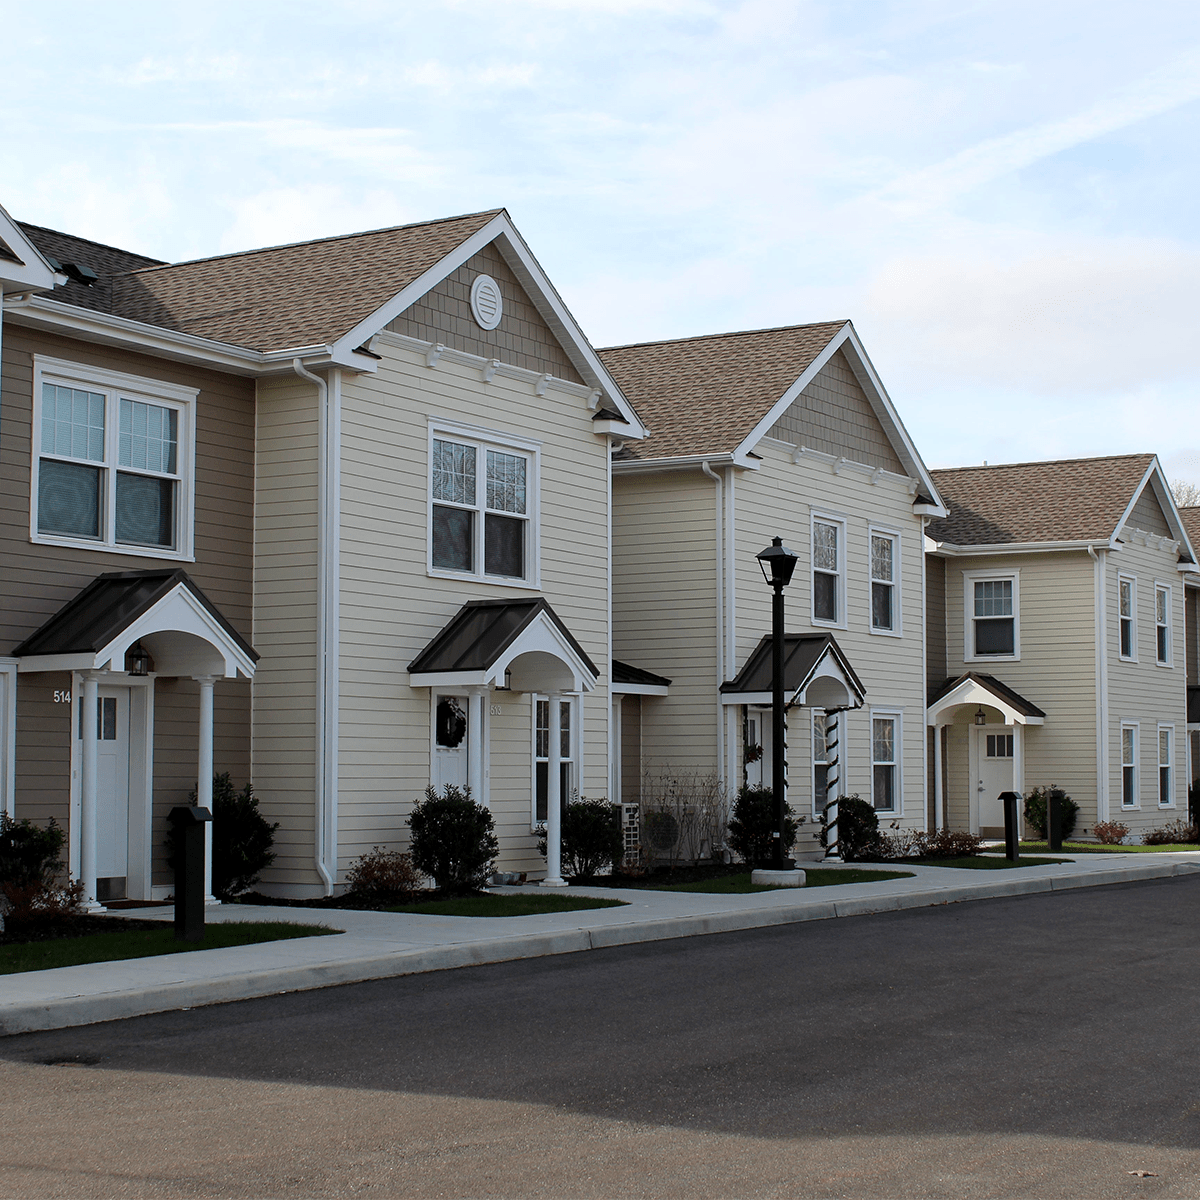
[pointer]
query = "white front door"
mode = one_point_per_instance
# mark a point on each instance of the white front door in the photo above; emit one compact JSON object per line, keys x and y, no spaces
{"x":450,"y":741}
{"x":112,"y":793}
{"x":994,"y":761}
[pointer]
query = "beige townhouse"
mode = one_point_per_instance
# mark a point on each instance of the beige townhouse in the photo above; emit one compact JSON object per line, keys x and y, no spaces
{"x":1056,"y":647}
{"x":370,"y":473}
{"x":779,"y":432}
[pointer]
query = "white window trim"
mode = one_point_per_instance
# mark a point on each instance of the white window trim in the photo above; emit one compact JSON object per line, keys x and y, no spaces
{"x":132,"y":387}
{"x":1169,"y":661}
{"x":574,"y":699}
{"x":827,"y":518}
{"x":490,"y":439}
{"x":897,"y":715}
{"x":1133,"y":621}
{"x":897,"y":629}
{"x":970,"y":578}
{"x":1159,"y":764}
{"x":1137,"y":774}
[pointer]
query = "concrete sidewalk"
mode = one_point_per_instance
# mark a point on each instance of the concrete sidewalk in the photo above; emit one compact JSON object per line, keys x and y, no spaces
{"x":382,"y":945}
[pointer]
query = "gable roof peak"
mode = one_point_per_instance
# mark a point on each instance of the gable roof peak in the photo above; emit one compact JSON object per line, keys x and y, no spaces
{"x":31,"y":228}
{"x":1142,"y":458}
{"x":733,"y":333}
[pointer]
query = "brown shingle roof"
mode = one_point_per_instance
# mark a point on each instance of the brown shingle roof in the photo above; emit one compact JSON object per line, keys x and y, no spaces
{"x":304,"y":294}
{"x":1077,"y":499}
{"x":704,"y":395}
{"x":1191,"y":524}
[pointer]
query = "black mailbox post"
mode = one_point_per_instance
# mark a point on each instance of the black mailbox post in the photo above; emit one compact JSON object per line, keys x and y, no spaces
{"x":188,"y":824}
{"x":1012,"y":848}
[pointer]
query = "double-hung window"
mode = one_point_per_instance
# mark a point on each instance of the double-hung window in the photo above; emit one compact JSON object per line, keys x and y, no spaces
{"x":1129,"y":782}
{"x":1166,"y":735}
{"x":1162,"y":625}
{"x":885,"y":577}
{"x":1127,"y":617}
{"x":992,"y":616}
{"x":482,"y":505}
{"x":885,"y":763}
{"x":112,"y":460}
{"x":541,"y":755}
{"x":828,"y":570}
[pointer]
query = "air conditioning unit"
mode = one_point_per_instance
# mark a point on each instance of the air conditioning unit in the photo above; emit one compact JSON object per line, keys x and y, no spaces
{"x":673,"y":835}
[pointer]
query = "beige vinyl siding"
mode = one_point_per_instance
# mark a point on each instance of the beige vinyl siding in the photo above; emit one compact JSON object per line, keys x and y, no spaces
{"x":391,"y":606}
{"x":1192,"y":634}
{"x":1056,"y":672}
{"x":778,"y":499}
{"x":1143,"y":691}
{"x":665,"y":609}
{"x":631,"y":747}
{"x":936,"y":660}
{"x":285,"y":621}
{"x":40,"y":579}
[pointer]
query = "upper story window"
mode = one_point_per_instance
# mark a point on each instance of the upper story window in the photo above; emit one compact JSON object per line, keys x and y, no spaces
{"x":482,"y":508}
{"x":112,"y":461}
{"x":828,"y":571}
{"x":885,"y":582}
{"x":992,"y":615}
{"x":1127,"y":616}
{"x":1162,"y":625}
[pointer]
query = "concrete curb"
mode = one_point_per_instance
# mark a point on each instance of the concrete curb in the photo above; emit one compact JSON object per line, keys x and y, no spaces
{"x":64,"y":1012}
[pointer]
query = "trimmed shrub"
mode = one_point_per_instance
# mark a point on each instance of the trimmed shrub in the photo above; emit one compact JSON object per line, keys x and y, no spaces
{"x":241,"y":841}
{"x":591,"y":838}
{"x":858,"y":829}
{"x":453,"y":839}
{"x":936,"y":843}
{"x":1110,"y":833}
{"x":1179,"y":832}
{"x":30,"y":863}
{"x":1035,"y":809}
{"x":383,"y":877}
{"x":753,"y":825}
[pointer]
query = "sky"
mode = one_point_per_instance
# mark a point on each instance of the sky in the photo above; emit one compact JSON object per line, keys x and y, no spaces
{"x":1000,"y":196}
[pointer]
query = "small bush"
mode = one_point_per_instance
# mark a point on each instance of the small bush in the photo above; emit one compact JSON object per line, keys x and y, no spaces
{"x":591,"y":838}
{"x":30,"y":864}
{"x":383,"y":877}
{"x":935,"y":843}
{"x":1035,"y":809}
{"x":1179,"y":832}
{"x":754,"y":823}
{"x":453,"y":839}
{"x":1110,"y":833}
{"x":241,"y":841}
{"x":858,"y":829}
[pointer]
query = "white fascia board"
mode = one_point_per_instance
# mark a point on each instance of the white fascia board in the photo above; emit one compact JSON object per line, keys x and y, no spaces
{"x":637,"y":689}
{"x":971,"y":694}
{"x":85,"y":661}
{"x":954,"y":551}
{"x":449,"y":679}
{"x":33,"y":272}
{"x":684,"y":462}
{"x":501,"y":229}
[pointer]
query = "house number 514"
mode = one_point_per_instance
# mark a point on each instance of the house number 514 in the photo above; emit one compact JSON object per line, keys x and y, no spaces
{"x":61,"y":697}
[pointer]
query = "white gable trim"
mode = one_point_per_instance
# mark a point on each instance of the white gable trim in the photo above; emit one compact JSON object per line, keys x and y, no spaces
{"x":972,"y":693}
{"x":1157,"y":481}
{"x":847,"y":340}
{"x":517,"y":254}
{"x":33,"y":272}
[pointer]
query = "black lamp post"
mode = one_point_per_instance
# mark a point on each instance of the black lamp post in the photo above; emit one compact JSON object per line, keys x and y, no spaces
{"x":777,"y":563}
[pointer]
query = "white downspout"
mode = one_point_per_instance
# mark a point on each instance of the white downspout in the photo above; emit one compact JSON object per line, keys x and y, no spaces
{"x":719,"y":526}
{"x":1101,"y":619}
{"x":329,"y":456}
{"x":732,"y":723}
{"x":925,"y":693}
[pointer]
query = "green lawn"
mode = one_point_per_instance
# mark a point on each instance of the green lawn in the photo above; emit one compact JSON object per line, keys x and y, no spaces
{"x":987,"y":862}
{"x":144,"y":943}
{"x":508,"y":905}
{"x":1094,"y":848}
{"x":738,"y":885}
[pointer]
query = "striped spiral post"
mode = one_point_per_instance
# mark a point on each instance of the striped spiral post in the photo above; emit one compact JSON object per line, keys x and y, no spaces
{"x":832,"y":848}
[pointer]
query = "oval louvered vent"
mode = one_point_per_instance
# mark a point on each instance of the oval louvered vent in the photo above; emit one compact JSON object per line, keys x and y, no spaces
{"x":487,"y":305}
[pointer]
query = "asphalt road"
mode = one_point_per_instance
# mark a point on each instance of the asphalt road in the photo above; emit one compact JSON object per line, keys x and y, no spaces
{"x":1034,"y":1046}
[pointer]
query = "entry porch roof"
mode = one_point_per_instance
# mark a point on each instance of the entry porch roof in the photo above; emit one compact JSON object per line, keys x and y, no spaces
{"x":816,"y":674}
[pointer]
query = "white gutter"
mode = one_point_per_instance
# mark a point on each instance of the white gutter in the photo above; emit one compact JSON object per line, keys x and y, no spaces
{"x":952,"y":550}
{"x":329,"y":465}
{"x":719,"y":530}
{"x":685,"y":462}
{"x":1101,"y":620}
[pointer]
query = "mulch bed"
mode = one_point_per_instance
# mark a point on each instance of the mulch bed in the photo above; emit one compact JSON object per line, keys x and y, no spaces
{"x":46,"y":929}
{"x":666,"y":876}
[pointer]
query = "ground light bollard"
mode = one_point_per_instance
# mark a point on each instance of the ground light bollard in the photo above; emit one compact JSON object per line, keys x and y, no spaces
{"x":188,"y":824}
{"x":1012,"y":848}
{"x":1054,"y":819}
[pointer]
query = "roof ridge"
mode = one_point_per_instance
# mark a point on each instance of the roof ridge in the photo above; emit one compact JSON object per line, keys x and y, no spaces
{"x":1044,"y":462}
{"x":341,"y":237}
{"x":75,"y":237}
{"x":703,"y":337}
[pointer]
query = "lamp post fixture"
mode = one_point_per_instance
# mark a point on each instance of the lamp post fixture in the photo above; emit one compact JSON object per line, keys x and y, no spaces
{"x":777,"y":563}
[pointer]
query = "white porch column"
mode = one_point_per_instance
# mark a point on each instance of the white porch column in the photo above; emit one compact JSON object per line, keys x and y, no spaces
{"x":833,"y":787}
{"x":554,"y":794}
{"x":475,"y":747}
{"x":939,"y":798}
{"x":1019,"y":772}
{"x":204,"y":768}
{"x":89,"y":791}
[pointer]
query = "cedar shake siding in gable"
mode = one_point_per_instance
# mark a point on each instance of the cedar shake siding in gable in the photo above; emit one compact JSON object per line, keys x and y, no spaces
{"x":834,"y":415}
{"x":1147,"y":515}
{"x":522,"y":339}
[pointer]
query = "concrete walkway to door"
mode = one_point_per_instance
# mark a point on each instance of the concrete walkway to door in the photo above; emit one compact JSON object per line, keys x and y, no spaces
{"x":381,"y":945}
